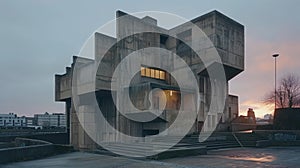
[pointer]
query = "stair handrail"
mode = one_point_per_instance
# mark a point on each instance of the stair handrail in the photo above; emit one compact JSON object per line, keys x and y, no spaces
{"x":237,"y":140}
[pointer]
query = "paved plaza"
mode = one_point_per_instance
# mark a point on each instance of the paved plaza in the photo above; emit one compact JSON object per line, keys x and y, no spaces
{"x":237,"y":157}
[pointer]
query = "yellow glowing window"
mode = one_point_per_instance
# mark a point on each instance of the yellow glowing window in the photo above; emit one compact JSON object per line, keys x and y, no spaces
{"x":153,"y":73}
{"x":162,"y":75}
{"x":157,"y":74}
{"x":148,"y":72}
{"x":143,"y":71}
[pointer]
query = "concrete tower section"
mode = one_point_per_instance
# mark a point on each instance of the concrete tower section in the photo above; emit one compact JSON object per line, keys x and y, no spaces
{"x":153,"y":87}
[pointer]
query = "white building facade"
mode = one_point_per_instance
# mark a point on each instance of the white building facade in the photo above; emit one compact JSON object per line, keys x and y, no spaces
{"x":12,"y":120}
{"x":50,"y":120}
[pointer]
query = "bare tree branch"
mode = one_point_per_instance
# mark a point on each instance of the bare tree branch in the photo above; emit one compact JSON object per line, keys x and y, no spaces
{"x":287,"y":94}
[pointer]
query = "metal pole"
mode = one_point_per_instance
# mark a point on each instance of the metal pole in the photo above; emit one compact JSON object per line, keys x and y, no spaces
{"x":275,"y":98}
{"x":275,"y":82}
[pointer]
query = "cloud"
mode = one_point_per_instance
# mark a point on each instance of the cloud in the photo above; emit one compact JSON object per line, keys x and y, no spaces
{"x":259,"y":108}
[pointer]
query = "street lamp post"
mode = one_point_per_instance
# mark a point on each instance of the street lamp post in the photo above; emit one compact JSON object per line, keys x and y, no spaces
{"x":275,"y":56}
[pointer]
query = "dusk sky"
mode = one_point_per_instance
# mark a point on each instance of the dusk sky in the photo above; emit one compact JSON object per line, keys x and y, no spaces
{"x":38,"y":39}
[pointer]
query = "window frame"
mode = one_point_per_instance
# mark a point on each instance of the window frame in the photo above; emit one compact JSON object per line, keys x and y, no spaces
{"x":153,"y":73}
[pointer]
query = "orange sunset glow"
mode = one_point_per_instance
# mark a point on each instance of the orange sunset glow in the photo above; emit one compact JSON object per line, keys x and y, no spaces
{"x":259,"y":108}
{"x":257,"y":80}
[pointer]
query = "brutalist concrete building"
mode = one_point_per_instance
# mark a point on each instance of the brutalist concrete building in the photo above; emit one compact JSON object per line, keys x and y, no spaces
{"x":152,"y":87}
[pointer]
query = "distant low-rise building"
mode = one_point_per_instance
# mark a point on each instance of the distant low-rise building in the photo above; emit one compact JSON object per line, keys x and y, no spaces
{"x":243,"y":123}
{"x":12,"y":120}
{"x":268,"y":117}
{"x":30,"y":121}
{"x":50,"y":120}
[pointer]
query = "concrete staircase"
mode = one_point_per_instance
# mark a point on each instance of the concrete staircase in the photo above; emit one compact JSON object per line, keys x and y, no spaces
{"x":153,"y":150}
{"x":248,"y":139}
{"x":189,"y":145}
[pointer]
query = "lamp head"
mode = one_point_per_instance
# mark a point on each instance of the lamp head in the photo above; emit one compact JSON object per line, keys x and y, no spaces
{"x":275,"y":55}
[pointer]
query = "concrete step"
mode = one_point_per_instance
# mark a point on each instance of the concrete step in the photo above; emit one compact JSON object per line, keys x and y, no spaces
{"x":248,"y":143}
{"x":223,"y":146}
{"x":188,"y":145}
{"x":140,"y":151}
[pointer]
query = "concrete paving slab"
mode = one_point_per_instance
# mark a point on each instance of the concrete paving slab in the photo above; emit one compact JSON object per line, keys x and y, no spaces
{"x":88,"y":160}
{"x":275,"y":157}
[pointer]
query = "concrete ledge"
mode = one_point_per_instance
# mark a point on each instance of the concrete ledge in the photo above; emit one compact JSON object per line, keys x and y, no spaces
{"x":25,"y":153}
{"x":286,"y":143}
{"x":22,"y":153}
{"x":180,"y":152}
{"x":268,"y":143}
{"x":55,"y":138}
{"x":263,"y":143}
{"x":29,"y":142}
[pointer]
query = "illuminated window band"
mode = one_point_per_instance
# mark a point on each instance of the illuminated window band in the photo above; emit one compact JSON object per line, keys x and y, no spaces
{"x":153,"y":73}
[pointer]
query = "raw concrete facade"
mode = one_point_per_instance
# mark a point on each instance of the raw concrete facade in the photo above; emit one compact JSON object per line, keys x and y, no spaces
{"x":228,"y":38}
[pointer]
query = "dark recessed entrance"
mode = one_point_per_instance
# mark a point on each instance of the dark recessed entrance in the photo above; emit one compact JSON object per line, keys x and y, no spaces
{"x":147,"y":132}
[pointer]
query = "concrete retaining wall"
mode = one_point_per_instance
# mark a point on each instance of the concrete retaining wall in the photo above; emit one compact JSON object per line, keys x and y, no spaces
{"x":278,"y":138}
{"x":55,"y":138}
{"x":25,"y":153}
{"x":31,"y":149}
{"x":287,"y":118}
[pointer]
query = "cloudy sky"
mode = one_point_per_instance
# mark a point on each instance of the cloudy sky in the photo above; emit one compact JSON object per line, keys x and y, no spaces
{"x":38,"y":39}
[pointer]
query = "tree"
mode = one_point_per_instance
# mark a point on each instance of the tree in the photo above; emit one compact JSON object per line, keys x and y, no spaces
{"x":287,"y":94}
